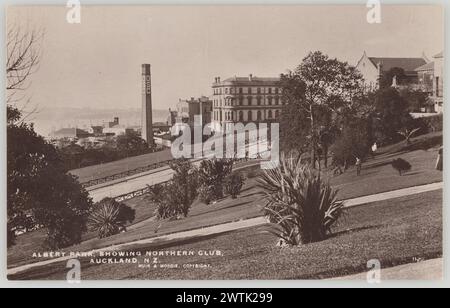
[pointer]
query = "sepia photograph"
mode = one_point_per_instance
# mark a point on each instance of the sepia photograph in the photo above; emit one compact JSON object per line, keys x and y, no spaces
{"x":224,"y":142}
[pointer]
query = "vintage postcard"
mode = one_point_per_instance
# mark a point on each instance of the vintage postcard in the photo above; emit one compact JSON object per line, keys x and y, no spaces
{"x":232,"y":142}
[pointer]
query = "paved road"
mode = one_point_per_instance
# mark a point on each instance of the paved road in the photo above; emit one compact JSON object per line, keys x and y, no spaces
{"x":134,"y":183}
{"x":129,"y":184}
{"x":430,"y":270}
{"x":232,"y":226}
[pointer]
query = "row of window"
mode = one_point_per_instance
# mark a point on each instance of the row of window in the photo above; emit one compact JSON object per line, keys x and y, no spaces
{"x":240,"y":101}
{"x":218,"y":91}
{"x":231,"y":116}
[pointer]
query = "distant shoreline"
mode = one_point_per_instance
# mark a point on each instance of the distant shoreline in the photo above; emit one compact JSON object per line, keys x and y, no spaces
{"x":49,"y":119}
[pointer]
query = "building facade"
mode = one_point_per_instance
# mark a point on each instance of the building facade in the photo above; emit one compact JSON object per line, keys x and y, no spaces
{"x":438,"y":83}
{"x":189,"y":108}
{"x":431,"y":81}
{"x":244,"y":100}
{"x":69,"y":133}
{"x":374,"y":68}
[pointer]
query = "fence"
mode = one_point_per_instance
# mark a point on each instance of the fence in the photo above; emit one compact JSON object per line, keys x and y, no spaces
{"x":125,"y":174}
{"x":143,"y":191}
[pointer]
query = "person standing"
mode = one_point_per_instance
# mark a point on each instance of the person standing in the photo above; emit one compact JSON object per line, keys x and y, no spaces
{"x":358,"y":165}
{"x":439,"y":161}
{"x":374,"y":149}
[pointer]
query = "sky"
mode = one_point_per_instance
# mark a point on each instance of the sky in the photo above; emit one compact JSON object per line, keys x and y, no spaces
{"x":97,"y":63}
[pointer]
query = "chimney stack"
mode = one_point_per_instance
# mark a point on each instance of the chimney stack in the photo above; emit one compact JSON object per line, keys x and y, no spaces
{"x":250,"y":77}
{"x":147,"y":117}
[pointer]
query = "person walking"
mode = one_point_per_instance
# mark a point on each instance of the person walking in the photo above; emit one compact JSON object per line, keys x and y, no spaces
{"x":358,"y":165}
{"x":440,"y":158}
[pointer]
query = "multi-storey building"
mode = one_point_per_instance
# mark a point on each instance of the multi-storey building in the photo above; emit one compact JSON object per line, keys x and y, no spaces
{"x":431,"y":80}
{"x":246,"y":99}
{"x":438,"y":84}
{"x":189,"y":108}
{"x":373,"y":68}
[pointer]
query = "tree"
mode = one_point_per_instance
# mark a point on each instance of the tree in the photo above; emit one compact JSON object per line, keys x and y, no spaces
{"x":23,"y":57}
{"x":407,"y":133}
{"x":352,"y":142}
{"x":294,"y":138}
{"x":212,"y":176}
{"x":131,"y":144}
{"x":175,"y":198}
{"x":40,"y":192}
{"x":110,"y":217}
{"x":318,"y":85}
{"x":391,"y":112}
{"x":416,"y":99}
{"x":301,"y":205}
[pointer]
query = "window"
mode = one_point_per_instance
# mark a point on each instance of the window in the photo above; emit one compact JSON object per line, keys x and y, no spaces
{"x":226,"y":90}
{"x":258,"y":91}
{"x":277,"y":101}
{"x":270,"y":114}
{"x":249,"y":116}
{"x":276,"y":90}
{"x":277,"y":114}
{"x":249,"y":90}
{"x":258,"y":115}
{"x":249,"y":100}
{"x":269,"y":100}
{"x":258,"y":100}
{"x":240,"y":91}
{"x":241,"y":116}
{"x":241,"y":101}
{"x":270,"y":90}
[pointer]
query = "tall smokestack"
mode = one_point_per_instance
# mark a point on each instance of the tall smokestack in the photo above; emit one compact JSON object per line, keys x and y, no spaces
{"x":147,"y":121}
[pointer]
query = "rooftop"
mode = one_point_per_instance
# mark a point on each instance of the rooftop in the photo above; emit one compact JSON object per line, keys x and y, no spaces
{"x":426,"y":67}
{"x":407,"y":64}
{"x":439,"y":55}
{"x":250,"y":80}
{"x":70,"y":131}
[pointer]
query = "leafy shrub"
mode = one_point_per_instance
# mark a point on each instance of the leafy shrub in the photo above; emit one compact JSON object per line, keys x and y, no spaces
{"x":212,"y":176}
{"x":434,"y":123}
{"x":109,"y":217}
{"x":234,"y":184}
{"x":206,"y":194}
{"x":299,"y":202}
{"x":401,"y":165}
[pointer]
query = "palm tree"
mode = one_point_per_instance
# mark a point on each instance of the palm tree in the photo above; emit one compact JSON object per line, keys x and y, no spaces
{"x":299,"y":202}
{"x":109,"y":217}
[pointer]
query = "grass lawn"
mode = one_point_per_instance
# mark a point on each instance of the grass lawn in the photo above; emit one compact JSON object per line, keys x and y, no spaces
{"x":396,"y":232}
{"x":100,"y":171}
{"x":377,"y":176}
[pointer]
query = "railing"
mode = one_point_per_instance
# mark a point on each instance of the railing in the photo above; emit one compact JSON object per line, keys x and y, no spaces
{"x":128,"y":173}
{"x":125,"y":174}
{"x":143,"y":191}
{"x":135,"y":194}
